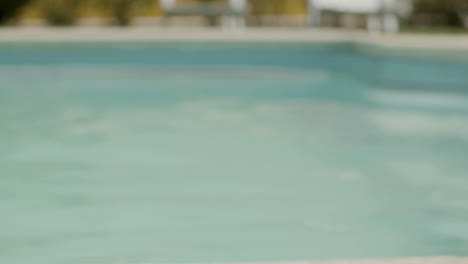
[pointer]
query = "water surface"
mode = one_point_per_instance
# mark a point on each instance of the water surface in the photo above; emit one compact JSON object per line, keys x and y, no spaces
{"x":183,"y":153}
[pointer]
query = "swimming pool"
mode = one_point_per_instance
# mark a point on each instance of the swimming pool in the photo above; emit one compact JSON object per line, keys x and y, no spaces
{"x":221,"y":152}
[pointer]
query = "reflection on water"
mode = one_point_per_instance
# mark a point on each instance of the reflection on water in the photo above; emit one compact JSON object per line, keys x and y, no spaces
{"x":136,"y":164}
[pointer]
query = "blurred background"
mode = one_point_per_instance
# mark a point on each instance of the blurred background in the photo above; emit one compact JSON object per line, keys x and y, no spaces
{"x":123,"y":151}
{"x":426,"y":15}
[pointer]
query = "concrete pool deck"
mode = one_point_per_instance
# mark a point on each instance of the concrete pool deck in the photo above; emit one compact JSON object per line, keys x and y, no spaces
{"x":145,"y":33}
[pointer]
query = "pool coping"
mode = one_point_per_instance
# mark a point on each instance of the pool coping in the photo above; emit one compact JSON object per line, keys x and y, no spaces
{"x":157,"y":34}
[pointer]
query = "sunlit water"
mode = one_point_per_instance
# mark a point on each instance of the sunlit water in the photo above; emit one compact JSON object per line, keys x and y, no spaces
{"x":143,"y":153}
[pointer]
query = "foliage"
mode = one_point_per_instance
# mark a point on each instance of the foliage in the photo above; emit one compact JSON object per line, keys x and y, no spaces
{"x":122,"y":10}
{"x":59,"y":12}
{"x":439,"y":12}
{"x":8,"y":8}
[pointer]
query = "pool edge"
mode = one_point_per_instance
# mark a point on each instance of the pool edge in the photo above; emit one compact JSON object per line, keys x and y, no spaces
{"x":156,"y":34}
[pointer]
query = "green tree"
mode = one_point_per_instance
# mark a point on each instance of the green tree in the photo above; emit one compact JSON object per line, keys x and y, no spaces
{"x":8,"y":8}
{"x":440,"y":13}
{"x":60,"y":12}
{"x":122,"y":10}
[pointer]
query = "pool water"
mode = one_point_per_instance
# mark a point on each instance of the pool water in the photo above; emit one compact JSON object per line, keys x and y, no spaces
{"x":191,"y":153}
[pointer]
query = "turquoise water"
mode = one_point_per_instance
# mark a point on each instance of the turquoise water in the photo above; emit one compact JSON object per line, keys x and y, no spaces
{"x":191,"y":153}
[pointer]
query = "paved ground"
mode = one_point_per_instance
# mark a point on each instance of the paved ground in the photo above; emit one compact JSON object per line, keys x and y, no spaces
{"x":147,"y":33}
